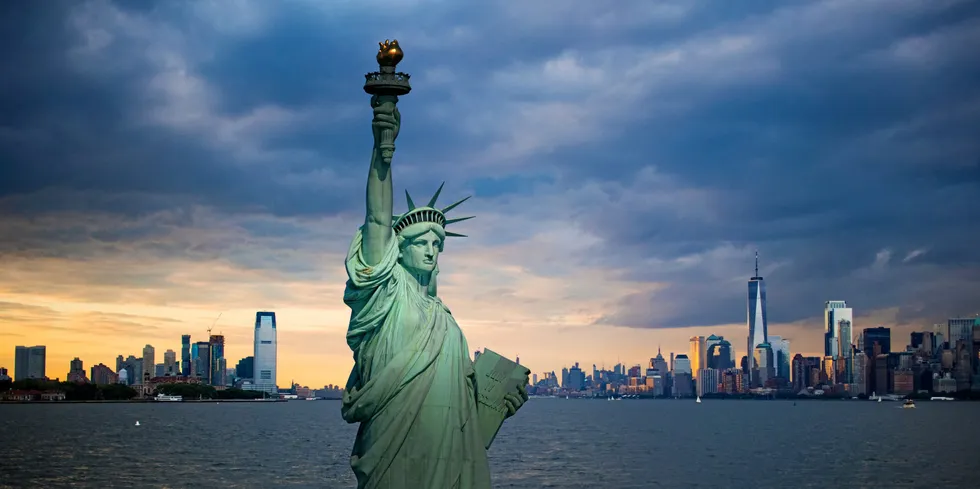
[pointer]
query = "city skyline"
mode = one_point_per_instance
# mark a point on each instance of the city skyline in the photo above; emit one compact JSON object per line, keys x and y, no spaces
{"x":777,"y":343}
{"x":164,"y":165}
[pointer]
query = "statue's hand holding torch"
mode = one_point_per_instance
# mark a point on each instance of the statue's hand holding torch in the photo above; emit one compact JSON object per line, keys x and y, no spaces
{"x":385,"y":85}
{"x":387,"y":121}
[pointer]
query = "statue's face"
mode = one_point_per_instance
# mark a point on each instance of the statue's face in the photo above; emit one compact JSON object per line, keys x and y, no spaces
{"x":421,"y":254}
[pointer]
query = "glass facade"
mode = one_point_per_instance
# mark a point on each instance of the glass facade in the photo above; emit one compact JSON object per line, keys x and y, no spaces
{"x":877,"y":336}
{"x":757,"y":318}
{"x":217,"y":345}
{"x":203,"y":362}
{"x":185,"y":355}
{"x":264,"y":357}
{"x":834,"y":313}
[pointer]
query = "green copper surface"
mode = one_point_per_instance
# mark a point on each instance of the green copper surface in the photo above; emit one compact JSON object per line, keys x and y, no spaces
{"x":427,"y":415}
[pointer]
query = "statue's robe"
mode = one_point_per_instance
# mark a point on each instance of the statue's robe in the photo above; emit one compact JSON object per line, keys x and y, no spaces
{"x":412,"y":385}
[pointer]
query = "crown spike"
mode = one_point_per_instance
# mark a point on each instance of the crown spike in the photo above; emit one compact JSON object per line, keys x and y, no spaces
{"x":453,"y":206}
{"x":432,"y":201}
{"x":455,"y":235}
{"x":458,"y":219}
{"x":411,"y":205}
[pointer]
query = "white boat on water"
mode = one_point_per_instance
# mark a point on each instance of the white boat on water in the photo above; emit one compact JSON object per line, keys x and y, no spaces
{"x":699,"y":400}
{"x":938,"y":398}
{"x":166,"y":398}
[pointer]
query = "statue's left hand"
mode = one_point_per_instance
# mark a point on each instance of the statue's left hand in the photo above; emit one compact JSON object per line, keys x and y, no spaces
{"x":513,"y":402}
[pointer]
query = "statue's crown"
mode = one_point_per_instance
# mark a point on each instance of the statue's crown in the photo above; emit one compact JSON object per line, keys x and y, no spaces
{"x":427,"y":213}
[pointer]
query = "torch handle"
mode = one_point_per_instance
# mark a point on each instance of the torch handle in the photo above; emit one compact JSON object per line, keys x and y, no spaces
{"x":387,"y":145}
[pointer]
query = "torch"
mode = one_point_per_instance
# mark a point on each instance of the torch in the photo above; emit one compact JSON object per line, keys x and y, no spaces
{"x":387,"y":84}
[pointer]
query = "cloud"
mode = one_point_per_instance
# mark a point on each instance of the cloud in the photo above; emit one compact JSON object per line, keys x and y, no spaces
{"x":627,"y":159}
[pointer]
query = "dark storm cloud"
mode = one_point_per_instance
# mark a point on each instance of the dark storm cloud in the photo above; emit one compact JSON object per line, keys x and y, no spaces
{"x":683,"y":134}
{"x":833,"y":166}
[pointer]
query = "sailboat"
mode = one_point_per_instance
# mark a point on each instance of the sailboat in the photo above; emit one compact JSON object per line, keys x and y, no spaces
{"x":699,"y":400}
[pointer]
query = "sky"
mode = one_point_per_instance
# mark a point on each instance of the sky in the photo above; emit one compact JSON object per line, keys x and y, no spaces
{"x":162,"y":163}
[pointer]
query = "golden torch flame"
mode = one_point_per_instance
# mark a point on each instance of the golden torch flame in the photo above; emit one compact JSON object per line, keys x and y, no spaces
{"x":389,"y":53}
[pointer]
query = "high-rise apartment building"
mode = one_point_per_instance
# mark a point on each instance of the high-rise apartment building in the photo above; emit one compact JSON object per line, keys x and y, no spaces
{"x":102,"y":374}
{"x":170,"y":364}
{"x":202,"y":363}
{"x":265,"y":352}
{"x":149,"y":364}
{"x":835,"y":314}
{"x":30,"y":362}
{"x":185,"y":355}
{"x":76,"y":371}
{"x":217,"y":350}
{"x":758,"y":320}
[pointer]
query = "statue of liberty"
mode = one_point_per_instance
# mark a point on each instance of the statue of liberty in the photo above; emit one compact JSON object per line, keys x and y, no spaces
{"x":413,"y":387}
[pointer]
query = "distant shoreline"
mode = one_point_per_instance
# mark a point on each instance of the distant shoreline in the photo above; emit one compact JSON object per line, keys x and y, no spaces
{"x":758,"y":398}
{"x":145,"y":401}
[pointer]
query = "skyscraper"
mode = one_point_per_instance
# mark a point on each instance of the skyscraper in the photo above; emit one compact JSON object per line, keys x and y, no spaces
{"x":880,"y":336}
{"x":149,"y":364}
{"x":764,"y":368}
{"x":185,"y":355}
{"x":697,"y":353}
{"x":30,"y":362}
{"x":757,"y":318}
{"x":834,"y":313}
{"x":170,"y":363}
{"x":217,"y":355}
{"x":202,"y":364}
{"x":959,"y":329}
{"x":194,"y":356}
{"x":265,"y":352}
{"x":780,"y":356}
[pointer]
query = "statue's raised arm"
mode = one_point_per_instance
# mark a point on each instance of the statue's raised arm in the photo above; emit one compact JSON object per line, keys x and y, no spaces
{"x":385,"y":86}
{"x":377,"y":220}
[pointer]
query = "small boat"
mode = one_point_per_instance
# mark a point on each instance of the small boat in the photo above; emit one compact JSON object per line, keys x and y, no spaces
{"x":908,"y":404}
{"x":879,"y":399}
{"x":137,"y":423}
{"x":166,"y":398}
{"x":699,"y":400}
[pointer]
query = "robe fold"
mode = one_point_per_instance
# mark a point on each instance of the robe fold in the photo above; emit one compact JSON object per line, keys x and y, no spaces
{"x":412,"y":385}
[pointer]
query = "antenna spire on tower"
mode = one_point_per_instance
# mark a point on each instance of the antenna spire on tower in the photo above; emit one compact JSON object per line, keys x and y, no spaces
{"x":756,"y":262}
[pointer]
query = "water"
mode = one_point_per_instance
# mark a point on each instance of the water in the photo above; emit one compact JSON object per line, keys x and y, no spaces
{"x":551,"y":443}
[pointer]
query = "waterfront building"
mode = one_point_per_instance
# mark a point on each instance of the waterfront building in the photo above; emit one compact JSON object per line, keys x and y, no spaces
{"x":185,"y":355}
{"x":757,"y":319}
{"x":30,"y":362}
{"x":836,"y":314}
{"x":265,"y":352}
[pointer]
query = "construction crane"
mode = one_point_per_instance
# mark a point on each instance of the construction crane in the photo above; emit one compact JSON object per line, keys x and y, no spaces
{"x":212,"y":324}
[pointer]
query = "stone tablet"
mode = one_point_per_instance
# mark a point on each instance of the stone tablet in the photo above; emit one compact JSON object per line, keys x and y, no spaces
{"x":496,"y":377}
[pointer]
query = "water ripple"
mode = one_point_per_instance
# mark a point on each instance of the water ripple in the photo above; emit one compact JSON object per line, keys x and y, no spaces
{"x":552,"y":443}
